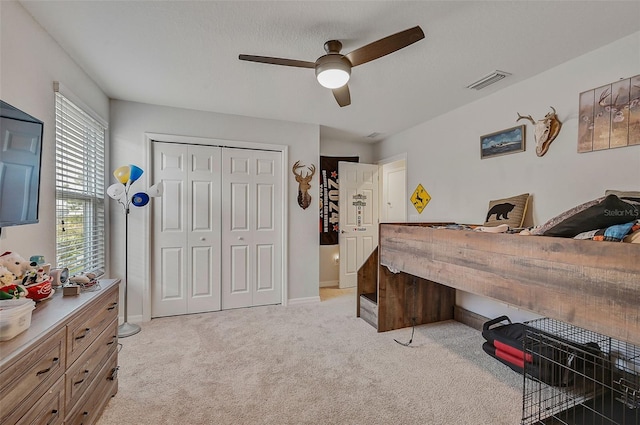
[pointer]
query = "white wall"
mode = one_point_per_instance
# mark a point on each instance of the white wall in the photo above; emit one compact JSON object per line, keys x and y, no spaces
{"x":329,"y":268}
{"x":30,"y":62}
{"x":331,"y":147}
{"x":129,"y":123}
{"x":444,"y":154}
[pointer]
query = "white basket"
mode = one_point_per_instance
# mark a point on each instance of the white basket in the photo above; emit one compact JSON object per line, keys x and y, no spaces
{"x":15,"y":317}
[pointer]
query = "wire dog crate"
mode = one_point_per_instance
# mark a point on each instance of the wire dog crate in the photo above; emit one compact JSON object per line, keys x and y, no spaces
{"x":578,"y":377}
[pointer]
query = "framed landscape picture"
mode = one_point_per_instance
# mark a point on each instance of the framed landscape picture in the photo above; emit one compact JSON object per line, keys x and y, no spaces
{"x":503,"y":142}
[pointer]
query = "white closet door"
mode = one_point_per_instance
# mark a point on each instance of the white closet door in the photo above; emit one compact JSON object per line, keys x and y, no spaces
{"x":186,"y":230}
{"x":251,"y":228}
{"x":203,"y":235}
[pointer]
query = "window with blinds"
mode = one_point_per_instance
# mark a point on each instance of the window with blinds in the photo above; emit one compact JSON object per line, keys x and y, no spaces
{"x":80,"y":201}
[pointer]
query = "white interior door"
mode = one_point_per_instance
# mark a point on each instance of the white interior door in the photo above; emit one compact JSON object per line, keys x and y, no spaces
{"x":186,"y":230}
{"x":393,"y":205}
{"x":251,"y":228}
{"x":358,"y":203}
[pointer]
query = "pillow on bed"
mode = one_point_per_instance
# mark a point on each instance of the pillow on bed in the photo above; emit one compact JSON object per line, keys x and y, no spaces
{"x":509,"y":211}
{"x":597,"y":214}
{"x":625,"y":195}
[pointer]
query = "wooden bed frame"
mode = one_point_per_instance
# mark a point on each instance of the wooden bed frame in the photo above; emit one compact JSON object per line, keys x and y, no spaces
{"x":417,"y":268}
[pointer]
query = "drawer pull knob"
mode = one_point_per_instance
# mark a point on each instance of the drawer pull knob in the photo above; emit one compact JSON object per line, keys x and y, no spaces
{"x":113,"y":339}
{"x":84,"y":416}
{"x":54,"y":414}
{"x":86,"y":332}
{"x":53,"y":363}
{"x":82,"y":380}
{"x":114,"y":373}
{"x":113,"y":305}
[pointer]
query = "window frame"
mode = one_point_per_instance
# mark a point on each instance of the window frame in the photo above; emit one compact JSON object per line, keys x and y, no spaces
{"x":80,"y":180}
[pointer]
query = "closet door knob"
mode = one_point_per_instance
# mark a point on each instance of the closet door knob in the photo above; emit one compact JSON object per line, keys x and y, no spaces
{"x":240,"y":238}
{"x":202,"y":238}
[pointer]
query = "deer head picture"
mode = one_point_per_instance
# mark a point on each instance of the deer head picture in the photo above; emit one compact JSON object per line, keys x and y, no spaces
{"x":545,"y":130}
{"x":304,"y":199}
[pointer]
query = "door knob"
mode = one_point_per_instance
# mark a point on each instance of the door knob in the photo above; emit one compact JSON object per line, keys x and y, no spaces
{"x":342,"y":231}
{"x":202,"y":238}
{"x":240,"y":238}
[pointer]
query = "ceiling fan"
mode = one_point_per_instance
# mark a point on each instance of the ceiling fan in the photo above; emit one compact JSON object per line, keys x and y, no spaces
{"x":334,"y":69}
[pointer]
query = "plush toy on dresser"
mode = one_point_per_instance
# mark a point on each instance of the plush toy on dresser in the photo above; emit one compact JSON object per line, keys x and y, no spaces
{"x":30,"y":280}
{"x":8,"y":289}
{"x":6,"y":276}
{"x":15,"y":263}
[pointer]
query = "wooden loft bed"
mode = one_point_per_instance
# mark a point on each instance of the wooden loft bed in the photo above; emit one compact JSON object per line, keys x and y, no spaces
{"x":416,"y":269}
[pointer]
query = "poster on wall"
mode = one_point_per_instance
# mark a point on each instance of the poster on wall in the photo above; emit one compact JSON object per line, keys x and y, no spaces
{"x":329,"y":211}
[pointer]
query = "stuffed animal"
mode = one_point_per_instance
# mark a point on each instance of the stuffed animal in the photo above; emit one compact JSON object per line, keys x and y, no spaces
{"x":16,"y":264}
{"x":34,"y":276}
{"x":8,"y":289}
{"x":6,"y":276}
{"x":10,"y":292}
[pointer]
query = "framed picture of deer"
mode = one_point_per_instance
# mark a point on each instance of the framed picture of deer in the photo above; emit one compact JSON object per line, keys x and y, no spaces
{"x":503,"y":142}
{"x":610,"y":116}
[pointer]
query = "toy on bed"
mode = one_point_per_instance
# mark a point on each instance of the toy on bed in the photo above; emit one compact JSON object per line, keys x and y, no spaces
{"x":610,"y":218}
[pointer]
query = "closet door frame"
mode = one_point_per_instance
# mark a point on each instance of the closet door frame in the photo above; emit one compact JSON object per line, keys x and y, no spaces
{"x":172,"y":138}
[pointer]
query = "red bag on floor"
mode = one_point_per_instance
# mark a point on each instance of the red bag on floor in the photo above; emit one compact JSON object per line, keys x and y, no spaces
{"x":546,"y":361}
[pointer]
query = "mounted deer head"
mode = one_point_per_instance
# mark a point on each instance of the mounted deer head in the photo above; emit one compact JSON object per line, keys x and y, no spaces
{"x":304,"y":199}
{"x":545,"y":130}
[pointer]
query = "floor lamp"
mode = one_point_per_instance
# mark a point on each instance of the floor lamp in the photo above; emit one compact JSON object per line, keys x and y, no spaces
{"x":126,"y":176}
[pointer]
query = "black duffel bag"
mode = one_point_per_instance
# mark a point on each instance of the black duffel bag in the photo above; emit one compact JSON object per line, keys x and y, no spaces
{"x":538,"y":354}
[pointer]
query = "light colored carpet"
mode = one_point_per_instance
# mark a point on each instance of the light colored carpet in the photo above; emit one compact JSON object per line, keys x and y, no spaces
{"x":308,"y":364}
{"x":329,"y":292}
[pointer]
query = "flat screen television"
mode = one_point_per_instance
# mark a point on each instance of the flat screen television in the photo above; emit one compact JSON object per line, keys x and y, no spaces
{"x":20,"y":164}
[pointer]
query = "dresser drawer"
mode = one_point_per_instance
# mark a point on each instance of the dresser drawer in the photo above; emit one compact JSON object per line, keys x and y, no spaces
{"x":85,"y":328}
{"x":29,"y":377}
{"x":49,"y":410}
{"x":84,"y":370}
{"x":92,"y":403}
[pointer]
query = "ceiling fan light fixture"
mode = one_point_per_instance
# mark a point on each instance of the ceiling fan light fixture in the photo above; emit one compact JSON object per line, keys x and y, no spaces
{"x":333,"y":71}
{"x":333,"y":78}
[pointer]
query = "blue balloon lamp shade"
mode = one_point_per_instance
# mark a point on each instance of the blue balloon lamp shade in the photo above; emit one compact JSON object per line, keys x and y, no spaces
{"x":140,"y":199}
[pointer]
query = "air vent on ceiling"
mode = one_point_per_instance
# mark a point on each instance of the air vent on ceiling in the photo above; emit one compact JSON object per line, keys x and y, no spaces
{"x":483,"y":82}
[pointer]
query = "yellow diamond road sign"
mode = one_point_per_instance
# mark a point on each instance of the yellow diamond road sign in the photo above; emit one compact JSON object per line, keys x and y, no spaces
{"x":420,"y":198}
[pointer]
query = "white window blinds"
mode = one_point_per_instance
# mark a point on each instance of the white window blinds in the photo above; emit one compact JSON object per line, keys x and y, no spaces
{"x":80,"y":201}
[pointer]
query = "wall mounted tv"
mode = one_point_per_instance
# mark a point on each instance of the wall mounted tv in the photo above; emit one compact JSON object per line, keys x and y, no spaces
{"x":20,"y":163}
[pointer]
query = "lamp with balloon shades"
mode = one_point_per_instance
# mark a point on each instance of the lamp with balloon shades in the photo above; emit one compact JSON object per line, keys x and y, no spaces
{"x":127,"y":175}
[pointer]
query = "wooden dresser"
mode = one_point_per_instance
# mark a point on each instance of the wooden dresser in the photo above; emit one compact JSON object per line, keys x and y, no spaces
{"x":63,"y":369}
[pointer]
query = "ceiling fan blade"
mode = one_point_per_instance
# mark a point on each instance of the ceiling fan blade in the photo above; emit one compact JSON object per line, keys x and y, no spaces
{"x":277,"y":61}
{"x":342,"y":95}
{"x":384,"y":46}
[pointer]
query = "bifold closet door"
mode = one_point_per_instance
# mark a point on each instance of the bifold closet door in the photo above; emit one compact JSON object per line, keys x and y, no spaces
{"x":251,"y":228}
{"x":186,"y":230}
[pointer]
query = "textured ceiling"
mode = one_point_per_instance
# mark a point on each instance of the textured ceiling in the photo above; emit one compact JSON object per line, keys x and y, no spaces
{"x":185,"y":53}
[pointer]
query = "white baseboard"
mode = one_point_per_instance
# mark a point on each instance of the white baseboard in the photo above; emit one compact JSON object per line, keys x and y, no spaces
{"x":131,"y":319}
{"x":306,"y":300}
{"x":329,"y":283}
